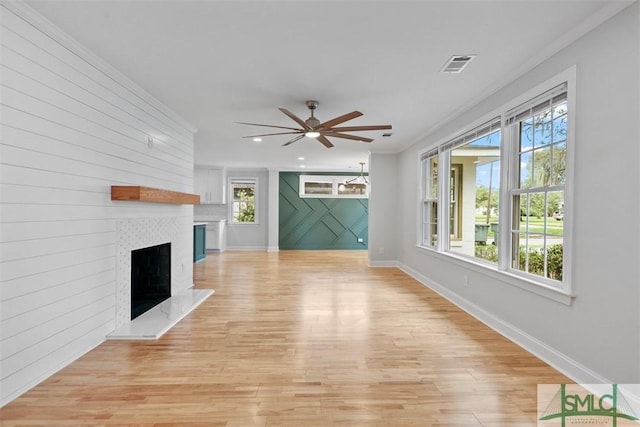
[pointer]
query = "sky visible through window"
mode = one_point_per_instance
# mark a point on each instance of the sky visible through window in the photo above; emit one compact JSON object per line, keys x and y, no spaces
{"x":485,"y":171}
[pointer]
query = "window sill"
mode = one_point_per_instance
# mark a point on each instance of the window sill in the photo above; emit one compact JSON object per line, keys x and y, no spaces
{"x":334,"y":196}
{"x":542,"y":289}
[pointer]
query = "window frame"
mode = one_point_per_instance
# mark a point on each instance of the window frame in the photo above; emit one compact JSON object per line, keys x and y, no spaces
{"x":513,"y":138}
{"x":560,"y":291}
{"x":486,"y":126}
{"x":232,"y":201}
{"x":479,"y":131}
{"x":335,"y":181}
{"x":427,"y":212}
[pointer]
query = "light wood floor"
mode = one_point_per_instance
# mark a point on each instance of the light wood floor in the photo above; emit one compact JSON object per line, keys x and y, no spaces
{"x":308,"y":338}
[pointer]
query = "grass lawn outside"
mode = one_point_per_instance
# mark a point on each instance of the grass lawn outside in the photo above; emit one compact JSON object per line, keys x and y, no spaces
{"x":536,"y":225}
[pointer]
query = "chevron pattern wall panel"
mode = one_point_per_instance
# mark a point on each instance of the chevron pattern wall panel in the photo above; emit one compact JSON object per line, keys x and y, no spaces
{"x":320,"y":223}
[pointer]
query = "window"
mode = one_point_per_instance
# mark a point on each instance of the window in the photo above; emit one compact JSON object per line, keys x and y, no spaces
{"x":474,"y":187}
{"x":315,"y":188}
{"x":503,"y":199}
{"x":319,"y":186}
{"x":243,"y":201}
{"x":353,"y":188}
{"x":539,"y":137}
{"x":430,"y":199}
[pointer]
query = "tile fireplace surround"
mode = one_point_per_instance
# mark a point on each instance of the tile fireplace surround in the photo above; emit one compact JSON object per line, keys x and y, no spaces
{"x":136,"y":233}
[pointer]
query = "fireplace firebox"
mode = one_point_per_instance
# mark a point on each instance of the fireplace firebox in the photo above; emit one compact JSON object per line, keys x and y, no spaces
{"x":150,"y":277}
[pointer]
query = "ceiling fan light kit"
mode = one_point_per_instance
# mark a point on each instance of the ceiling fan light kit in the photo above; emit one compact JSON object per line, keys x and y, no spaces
{"x":360,"y":178}
{"x":313,"y":128}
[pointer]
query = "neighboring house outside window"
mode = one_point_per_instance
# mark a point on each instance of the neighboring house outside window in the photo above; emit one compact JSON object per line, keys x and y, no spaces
{"x":518,"y":159}
{"x":473,"y":188}
{"x":243,"y":205}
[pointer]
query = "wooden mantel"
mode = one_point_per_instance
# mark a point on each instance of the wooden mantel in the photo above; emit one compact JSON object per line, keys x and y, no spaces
{"x":135,"y":193}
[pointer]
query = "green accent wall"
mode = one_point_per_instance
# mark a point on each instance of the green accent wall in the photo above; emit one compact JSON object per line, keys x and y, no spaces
{"x":323,"y":223}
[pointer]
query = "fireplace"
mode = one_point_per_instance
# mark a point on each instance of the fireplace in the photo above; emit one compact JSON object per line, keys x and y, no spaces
{"x":150,"y":277}
{"x":169,"y":280}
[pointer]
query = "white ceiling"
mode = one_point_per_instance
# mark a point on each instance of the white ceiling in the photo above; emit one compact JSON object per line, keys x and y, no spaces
{"x":219,"y":62}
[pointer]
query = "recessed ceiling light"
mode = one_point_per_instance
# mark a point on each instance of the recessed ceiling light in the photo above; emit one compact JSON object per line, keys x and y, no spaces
{"x":302,"y":166}
{"x":257,"y":139}
{"x":300,"y":158}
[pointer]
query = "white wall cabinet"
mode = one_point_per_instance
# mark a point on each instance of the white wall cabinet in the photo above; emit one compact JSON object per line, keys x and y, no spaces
{"x":201,"y":184}
{"x":209,"y":183}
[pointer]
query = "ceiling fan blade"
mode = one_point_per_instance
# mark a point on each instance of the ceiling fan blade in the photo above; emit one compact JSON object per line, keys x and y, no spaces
{"x":268,"y":126}
{"x":360,"y":128}
{"x":345,"y":136}
{"x":324,"y":141}
{"x":340,"y":119}
{"x":271,"y":134}
{"x":295,"y":118}
{"x":291,"y":141}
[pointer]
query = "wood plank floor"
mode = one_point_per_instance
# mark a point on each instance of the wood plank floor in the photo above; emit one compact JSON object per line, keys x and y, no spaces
{"x":305,"y":338}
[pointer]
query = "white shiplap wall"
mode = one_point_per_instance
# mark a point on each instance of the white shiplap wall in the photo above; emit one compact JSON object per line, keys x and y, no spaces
{"x":72,"y":127}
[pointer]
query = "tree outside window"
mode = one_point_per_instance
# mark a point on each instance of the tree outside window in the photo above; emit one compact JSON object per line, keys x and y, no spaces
{"x":539,"y":222}
{"x":243,"y":204}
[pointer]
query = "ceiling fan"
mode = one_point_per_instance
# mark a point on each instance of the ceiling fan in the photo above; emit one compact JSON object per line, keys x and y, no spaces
{"x":312,"y":128}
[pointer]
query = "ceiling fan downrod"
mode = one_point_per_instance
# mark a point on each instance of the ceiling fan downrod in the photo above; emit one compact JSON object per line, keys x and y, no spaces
{"x":312,"y":105}
{"x":312,"y":122}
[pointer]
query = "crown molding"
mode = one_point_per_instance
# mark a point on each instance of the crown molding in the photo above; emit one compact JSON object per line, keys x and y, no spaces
{"x":606,"y":12}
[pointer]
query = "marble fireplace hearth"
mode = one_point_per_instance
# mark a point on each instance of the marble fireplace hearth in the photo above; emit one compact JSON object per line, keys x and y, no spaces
{"x":155,"y":322}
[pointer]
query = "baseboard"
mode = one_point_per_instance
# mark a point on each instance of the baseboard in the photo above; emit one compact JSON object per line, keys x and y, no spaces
{"x":246,"y":248}
{"x":560,"y":361}
{"x":273,"y":249}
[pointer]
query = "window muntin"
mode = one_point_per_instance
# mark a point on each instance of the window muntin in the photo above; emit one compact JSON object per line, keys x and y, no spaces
{"x":243,"y":201}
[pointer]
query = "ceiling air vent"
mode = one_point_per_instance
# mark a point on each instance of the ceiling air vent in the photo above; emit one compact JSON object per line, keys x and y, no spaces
{"x":457,"y":63}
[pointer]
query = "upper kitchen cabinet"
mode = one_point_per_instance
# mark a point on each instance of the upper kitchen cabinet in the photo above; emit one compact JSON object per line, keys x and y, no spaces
{"x":209,"y":183}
